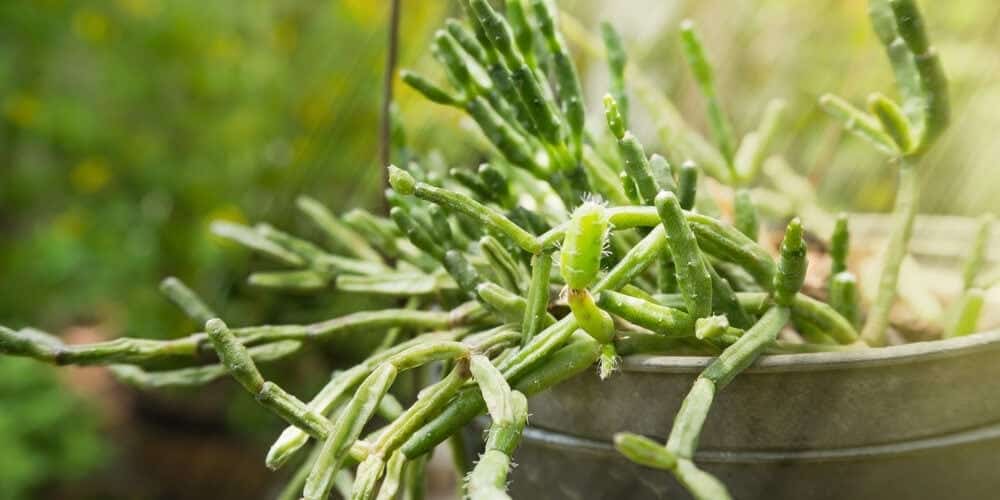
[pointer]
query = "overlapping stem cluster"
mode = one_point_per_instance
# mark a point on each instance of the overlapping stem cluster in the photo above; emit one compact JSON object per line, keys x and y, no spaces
{"x":498,"y":69}
{"x":646,"y":264}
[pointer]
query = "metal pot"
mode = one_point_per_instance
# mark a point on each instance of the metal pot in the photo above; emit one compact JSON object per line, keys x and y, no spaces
{"x":920,"y":420}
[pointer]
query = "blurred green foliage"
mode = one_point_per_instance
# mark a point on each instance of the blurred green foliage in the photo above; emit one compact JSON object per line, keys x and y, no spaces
{"x":47,"y":434}
{"x":126,"y":126}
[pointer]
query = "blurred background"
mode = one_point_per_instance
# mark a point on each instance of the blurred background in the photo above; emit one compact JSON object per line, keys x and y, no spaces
{"x":127,"y":126}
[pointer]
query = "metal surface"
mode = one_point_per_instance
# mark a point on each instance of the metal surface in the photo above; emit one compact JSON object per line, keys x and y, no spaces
{"x":795,"y":401}
{"x":919,"y":421}
{"x":955,"y":467}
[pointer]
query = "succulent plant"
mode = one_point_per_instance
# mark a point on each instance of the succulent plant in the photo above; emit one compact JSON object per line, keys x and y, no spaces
{"x":646,"y":264}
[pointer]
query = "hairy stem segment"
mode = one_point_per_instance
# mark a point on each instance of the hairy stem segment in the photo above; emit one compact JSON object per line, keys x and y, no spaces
{"x":724,"y":299}
{"x":598,"y":324}
{"x":963,"y":318}
{"x":583,"y":245}
{"x":859,"y":123}
{"x":904,"y":213}
{"x":687,"y":185}
{"x":337,"y":233}
{"x":393,"y":481}
{"x":580,"y":262}
{"x":509,"y":411}
{"x":506,"y":270}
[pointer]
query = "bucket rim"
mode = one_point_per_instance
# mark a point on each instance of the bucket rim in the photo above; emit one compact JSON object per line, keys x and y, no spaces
{"x":914,"y":352}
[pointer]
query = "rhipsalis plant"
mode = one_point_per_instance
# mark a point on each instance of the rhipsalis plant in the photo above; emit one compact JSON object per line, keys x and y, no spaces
{"x":485,"y":261}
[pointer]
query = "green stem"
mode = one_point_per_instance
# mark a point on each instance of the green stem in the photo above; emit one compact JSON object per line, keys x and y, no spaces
{"x":432,"y":399}
{"x":819,"y":315}
{"x":337,"y":233}
{"x":693,"y":279}
{"x":536,"y":310}
{"x":346,"y":430}
{"x":404,"y":184}
{"x":198,"y":375}
{"x":188,"y":301}
{"x":657,"y":318}
{"x":415,"y":477}
{"x":966,"y":315}
{"x":336,"y":392}
{"x":562,"y":364}
{"x":694,"y":53}
{"x":393,"y":477}
{"x":904,"y":214}
{"x":720,"y":240}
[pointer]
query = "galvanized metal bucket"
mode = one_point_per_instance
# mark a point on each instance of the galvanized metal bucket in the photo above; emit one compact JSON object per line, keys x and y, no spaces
{"x":913,"y":421}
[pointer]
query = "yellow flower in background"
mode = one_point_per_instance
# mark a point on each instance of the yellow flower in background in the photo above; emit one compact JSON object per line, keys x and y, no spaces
{"x":316,"y":107}
{"x":90,"y":175}
{"x":21,"y":109}
{"x":302,"y":148}
{"x":139,"y":9}
{"x":372,"y":12}
{"x":227,"y":213}
{"x":366,"y":12}
{"x":285,"y":35}
{"x":91,"y":25}
{"x":226,"y":48}
{"x":70,"y":222}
